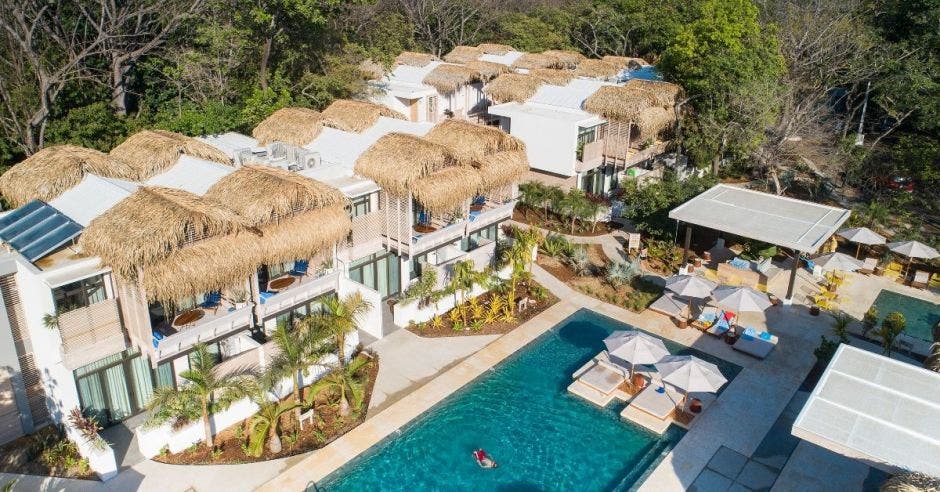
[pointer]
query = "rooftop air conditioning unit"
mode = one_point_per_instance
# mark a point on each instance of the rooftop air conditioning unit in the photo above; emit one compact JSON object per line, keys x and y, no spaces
{"x":242,"y":157}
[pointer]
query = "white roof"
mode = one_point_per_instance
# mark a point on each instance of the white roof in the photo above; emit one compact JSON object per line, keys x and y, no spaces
{"x":507,"y":59}
{"x":191,"y":174}
{"x":875,"y":409}
{"x":787,"y":222}
{"x":412,"y":75}
{"x":574,"y":116}
{"x":388,"y":125}
{"x":406,"y":91}
{"x":231,"y":142}
{"x":339,"y":147}
{"x":571,"y":96}
{"x":93,"y":196}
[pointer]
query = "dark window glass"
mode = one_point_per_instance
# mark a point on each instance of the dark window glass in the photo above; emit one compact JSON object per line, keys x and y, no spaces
{"x":79,"y":294}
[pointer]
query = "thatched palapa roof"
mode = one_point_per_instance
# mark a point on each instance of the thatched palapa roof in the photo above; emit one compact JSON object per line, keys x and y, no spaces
{"x":529,"y":61}
{"x":564,"y":58}
{"x":446,"y":190}
{"x":53,"y":170}
{"x":624,"y":61}
{"x":396,"y":160}
{"x":301,"y":236}
{"x":448,"y":78}
{"x":596,"y":69}
{"x":661,"y":93}
{"x":502,"y":168}
{"x":512,"y":87}
{"x":495,"y":49}
{"x":148,"y":152}
{"x":470,"y":141}
{"x":487,"y":70}
{"x":371,"y":69}
{"x":463,"y":54}
{"x":262,"y":194}
{"x":357,"y":115}
{"x":414,"y":59}
{"x":552,"y":76}
{"x":295,"y":126}
{"x":217,"y":263}
{"x":652,"y":121}
{"x":153,"y":222}
{"x":617,"y":103}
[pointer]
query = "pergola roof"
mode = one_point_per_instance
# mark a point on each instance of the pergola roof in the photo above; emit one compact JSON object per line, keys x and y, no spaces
{"x":788,"y":222}
{"x":875,"y":409}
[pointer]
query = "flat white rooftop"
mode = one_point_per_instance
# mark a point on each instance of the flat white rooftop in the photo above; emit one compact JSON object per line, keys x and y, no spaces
{"x":575,"y":116}
{"x":875,"y":409}
{"x":787,"y":222}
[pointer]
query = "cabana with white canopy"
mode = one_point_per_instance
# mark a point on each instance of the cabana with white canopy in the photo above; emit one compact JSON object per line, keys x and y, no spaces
{"x":786,"y":222}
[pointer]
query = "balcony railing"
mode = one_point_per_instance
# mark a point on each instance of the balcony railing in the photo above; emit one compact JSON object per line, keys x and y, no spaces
{"x":490,"y":214}
{"x":91,"y":333}
{"x":307,"y":288}
{"x":206,"y":329}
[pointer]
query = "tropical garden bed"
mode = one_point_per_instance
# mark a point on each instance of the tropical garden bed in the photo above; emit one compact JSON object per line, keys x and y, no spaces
{"x":46,"y":452}
{"x":571,"y":212}
{"x":233,"y":445}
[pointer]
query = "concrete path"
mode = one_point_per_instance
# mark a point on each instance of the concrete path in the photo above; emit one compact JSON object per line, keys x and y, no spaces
{"x":407,"y":361}
{"x":612,"y":244}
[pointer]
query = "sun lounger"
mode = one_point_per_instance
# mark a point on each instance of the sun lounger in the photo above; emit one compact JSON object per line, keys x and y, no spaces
{"x":718,"y":329}
{"x":869,"y":267}
{"x":756,"y":343}
{"x":706,"y":318}
{"x":921,"y":279}
{"x":659,"y":405}
{"x":602,"y":378}
{"x":671,"y":305}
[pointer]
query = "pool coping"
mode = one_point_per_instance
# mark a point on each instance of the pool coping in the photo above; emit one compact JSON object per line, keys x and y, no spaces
{"x":324,"y":461}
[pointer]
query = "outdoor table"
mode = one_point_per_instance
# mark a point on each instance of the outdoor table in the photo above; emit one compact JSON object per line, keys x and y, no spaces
{"x":280,"y":283}
{"x":189,"y":317}
{"x":424,"y":228}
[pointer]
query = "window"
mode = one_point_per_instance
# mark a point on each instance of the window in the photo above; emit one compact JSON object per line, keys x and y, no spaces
{"x":79,"y":294}
{"x":360,"y":206}
{"x":288,"y":318}
{"x":120,"y":385}
{"x":589,"y":135}
{"x":381,"y":273}
{"x":432,"y":108}
{"x":473,"y":240}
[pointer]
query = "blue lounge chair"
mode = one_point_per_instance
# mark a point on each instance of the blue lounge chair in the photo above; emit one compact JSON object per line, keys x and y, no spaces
{"x":756,"y":343}
{"x":300,"y":268}
{"x":720,"y":327}
{"x":265,"y":295}
{"x":213,"y":301}
{"x":157,"y":336}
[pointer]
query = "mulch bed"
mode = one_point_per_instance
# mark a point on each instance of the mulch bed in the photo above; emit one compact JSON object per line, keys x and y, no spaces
{"x":23,"y":455}
{"x":593,"y":285}
{"x":497,"y":328}
{"x":328,"y":426}
{"x":559,"y":224}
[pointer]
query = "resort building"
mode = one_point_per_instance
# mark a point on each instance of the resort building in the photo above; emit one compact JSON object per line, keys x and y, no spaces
{"x":116,"y":265}
{"x":586,"y":123}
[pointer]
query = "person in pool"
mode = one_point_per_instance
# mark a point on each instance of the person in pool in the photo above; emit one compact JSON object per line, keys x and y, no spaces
{"x":484,"y":460}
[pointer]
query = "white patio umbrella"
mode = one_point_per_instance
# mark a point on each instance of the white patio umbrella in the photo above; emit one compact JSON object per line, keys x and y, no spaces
{"x":690,"y":286}
{"x":838,"y":261}
{"x":913,"y":249}
{"x":690,"y":374}
{"x":741,"y":299}
{"x":860,"y":236}
{"x":635,"y":347}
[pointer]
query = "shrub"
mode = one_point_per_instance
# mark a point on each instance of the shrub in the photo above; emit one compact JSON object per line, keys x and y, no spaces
{"x":826,"y":350}
{"x":619,"y":273}
{"x":891,"y":327}
{"x":666,"y":253}
{"x":556,"y":246}
{"x":840,"y":326}
{"x":870,"y":319}
{"x":579,"y":262}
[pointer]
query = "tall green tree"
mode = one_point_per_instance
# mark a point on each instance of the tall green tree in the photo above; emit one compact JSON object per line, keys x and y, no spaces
{"x":340,"y":317}
{"x":298,"y":349}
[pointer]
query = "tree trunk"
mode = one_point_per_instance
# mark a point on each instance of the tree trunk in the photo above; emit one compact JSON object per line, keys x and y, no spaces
{"x":573,"y":219}
{"x":266,"y":49}
{"x":341,"y":350}
{"x":298,"y":388}
{"x":207,"y":427}
{"x":274,"y":440}
{"x":119,"y":70}
{"x":344,"y":410}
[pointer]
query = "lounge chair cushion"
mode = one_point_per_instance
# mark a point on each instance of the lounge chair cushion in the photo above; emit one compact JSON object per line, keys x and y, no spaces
{"x":740,"y":263}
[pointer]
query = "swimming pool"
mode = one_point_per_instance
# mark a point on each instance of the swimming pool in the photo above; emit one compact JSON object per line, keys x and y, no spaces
{"x":520,"y":412}
{"x":921,"y":315}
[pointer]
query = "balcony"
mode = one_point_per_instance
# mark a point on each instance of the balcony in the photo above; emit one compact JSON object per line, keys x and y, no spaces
{"x":490,"y":213}
{"x":590,"y":156}
{"x":367,"y":228}
{"x":304,"y":289}
{"x":210,"y":326}
{"x":91,"y":333}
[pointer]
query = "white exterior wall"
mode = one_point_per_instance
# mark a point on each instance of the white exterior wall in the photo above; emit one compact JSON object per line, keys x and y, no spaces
{"x":372,"y":322}
{"x":392,"y":102}
{"x":551,"y":144}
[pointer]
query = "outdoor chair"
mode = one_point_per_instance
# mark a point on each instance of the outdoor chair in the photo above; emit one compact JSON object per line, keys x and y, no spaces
{"x":213,"y":301}
{"x":706,"y":318}
{"x":869,"y":267}
{"x":300,"y":269}
{"x":921,"y":280}
{"x":720,"y":327}
{"x":756,"y":343}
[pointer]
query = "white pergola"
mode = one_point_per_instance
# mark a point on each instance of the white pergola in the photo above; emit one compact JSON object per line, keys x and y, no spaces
{"x":881,"y":411}
{"x":798,"y":225}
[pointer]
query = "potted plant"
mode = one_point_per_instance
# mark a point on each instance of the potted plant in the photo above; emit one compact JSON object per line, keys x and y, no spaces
{"x":239,"y":297}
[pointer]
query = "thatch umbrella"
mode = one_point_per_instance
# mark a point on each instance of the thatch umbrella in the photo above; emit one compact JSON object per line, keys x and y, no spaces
{"x":911,"y":482}
{"x":553,"y":76}
{"x":463,"y":54}
{"x":502,"y":168}
{"x":294,"y":126}
{"x":447,"y":78}
{"x":471,"y":141}
{"x":617,"y":103}
{"x":396,"y":160}
{"x":150,"y":224}
{"x":661,"y":93}
{"x":446,"y":190}
{"x":487,"y":70}
{"x":512,"y":87}
{"x":529,"y":61}
{"x":564,"y":58}
{"x":414,"y":59}
{"x":624,"y":61}
{"x":371,"y":69}
{"x":651,"y":121}
{"x":495,"y":49}
{"x":357,"y":115}
{"x":149,"y":152}
{"x":262,"y":194}
{"x":53,"y":170}
{"x":598,"y":69}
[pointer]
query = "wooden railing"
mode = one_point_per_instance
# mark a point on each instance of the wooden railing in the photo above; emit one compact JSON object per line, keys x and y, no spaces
{"x":91,"y":333}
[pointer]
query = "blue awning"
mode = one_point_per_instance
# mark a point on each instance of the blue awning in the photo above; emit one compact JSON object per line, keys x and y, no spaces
{"x":36,"y":229}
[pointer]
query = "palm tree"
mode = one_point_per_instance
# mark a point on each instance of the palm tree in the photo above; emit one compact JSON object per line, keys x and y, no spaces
{"x":298,"y":350}
{"x":341,"y":317}
{"x":910,"y":482}
{"x":263,"y":425}
{"x":532,"y":195}
{"x":518,"y":255}
{"x":553,"y":198}
{"x":196,"y":396}
{"x":462,"y":280}
{"x":932,"y":362}
{"x":342,"y":381}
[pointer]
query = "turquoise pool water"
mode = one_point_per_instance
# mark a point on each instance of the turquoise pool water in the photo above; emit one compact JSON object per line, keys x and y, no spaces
{"x":921,"y":315}
{"x":520,"y":411}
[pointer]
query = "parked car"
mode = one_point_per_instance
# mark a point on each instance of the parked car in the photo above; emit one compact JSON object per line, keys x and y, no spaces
{"x":897,"y":182}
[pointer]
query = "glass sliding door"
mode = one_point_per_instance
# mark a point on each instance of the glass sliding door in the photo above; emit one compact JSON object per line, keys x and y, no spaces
{"x":119,"y":400}
{"x":119,"y":386}
{"x":381,"y":273}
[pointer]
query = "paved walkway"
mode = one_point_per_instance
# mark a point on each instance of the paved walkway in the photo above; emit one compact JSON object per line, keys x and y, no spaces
{"x":612,"y":244}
